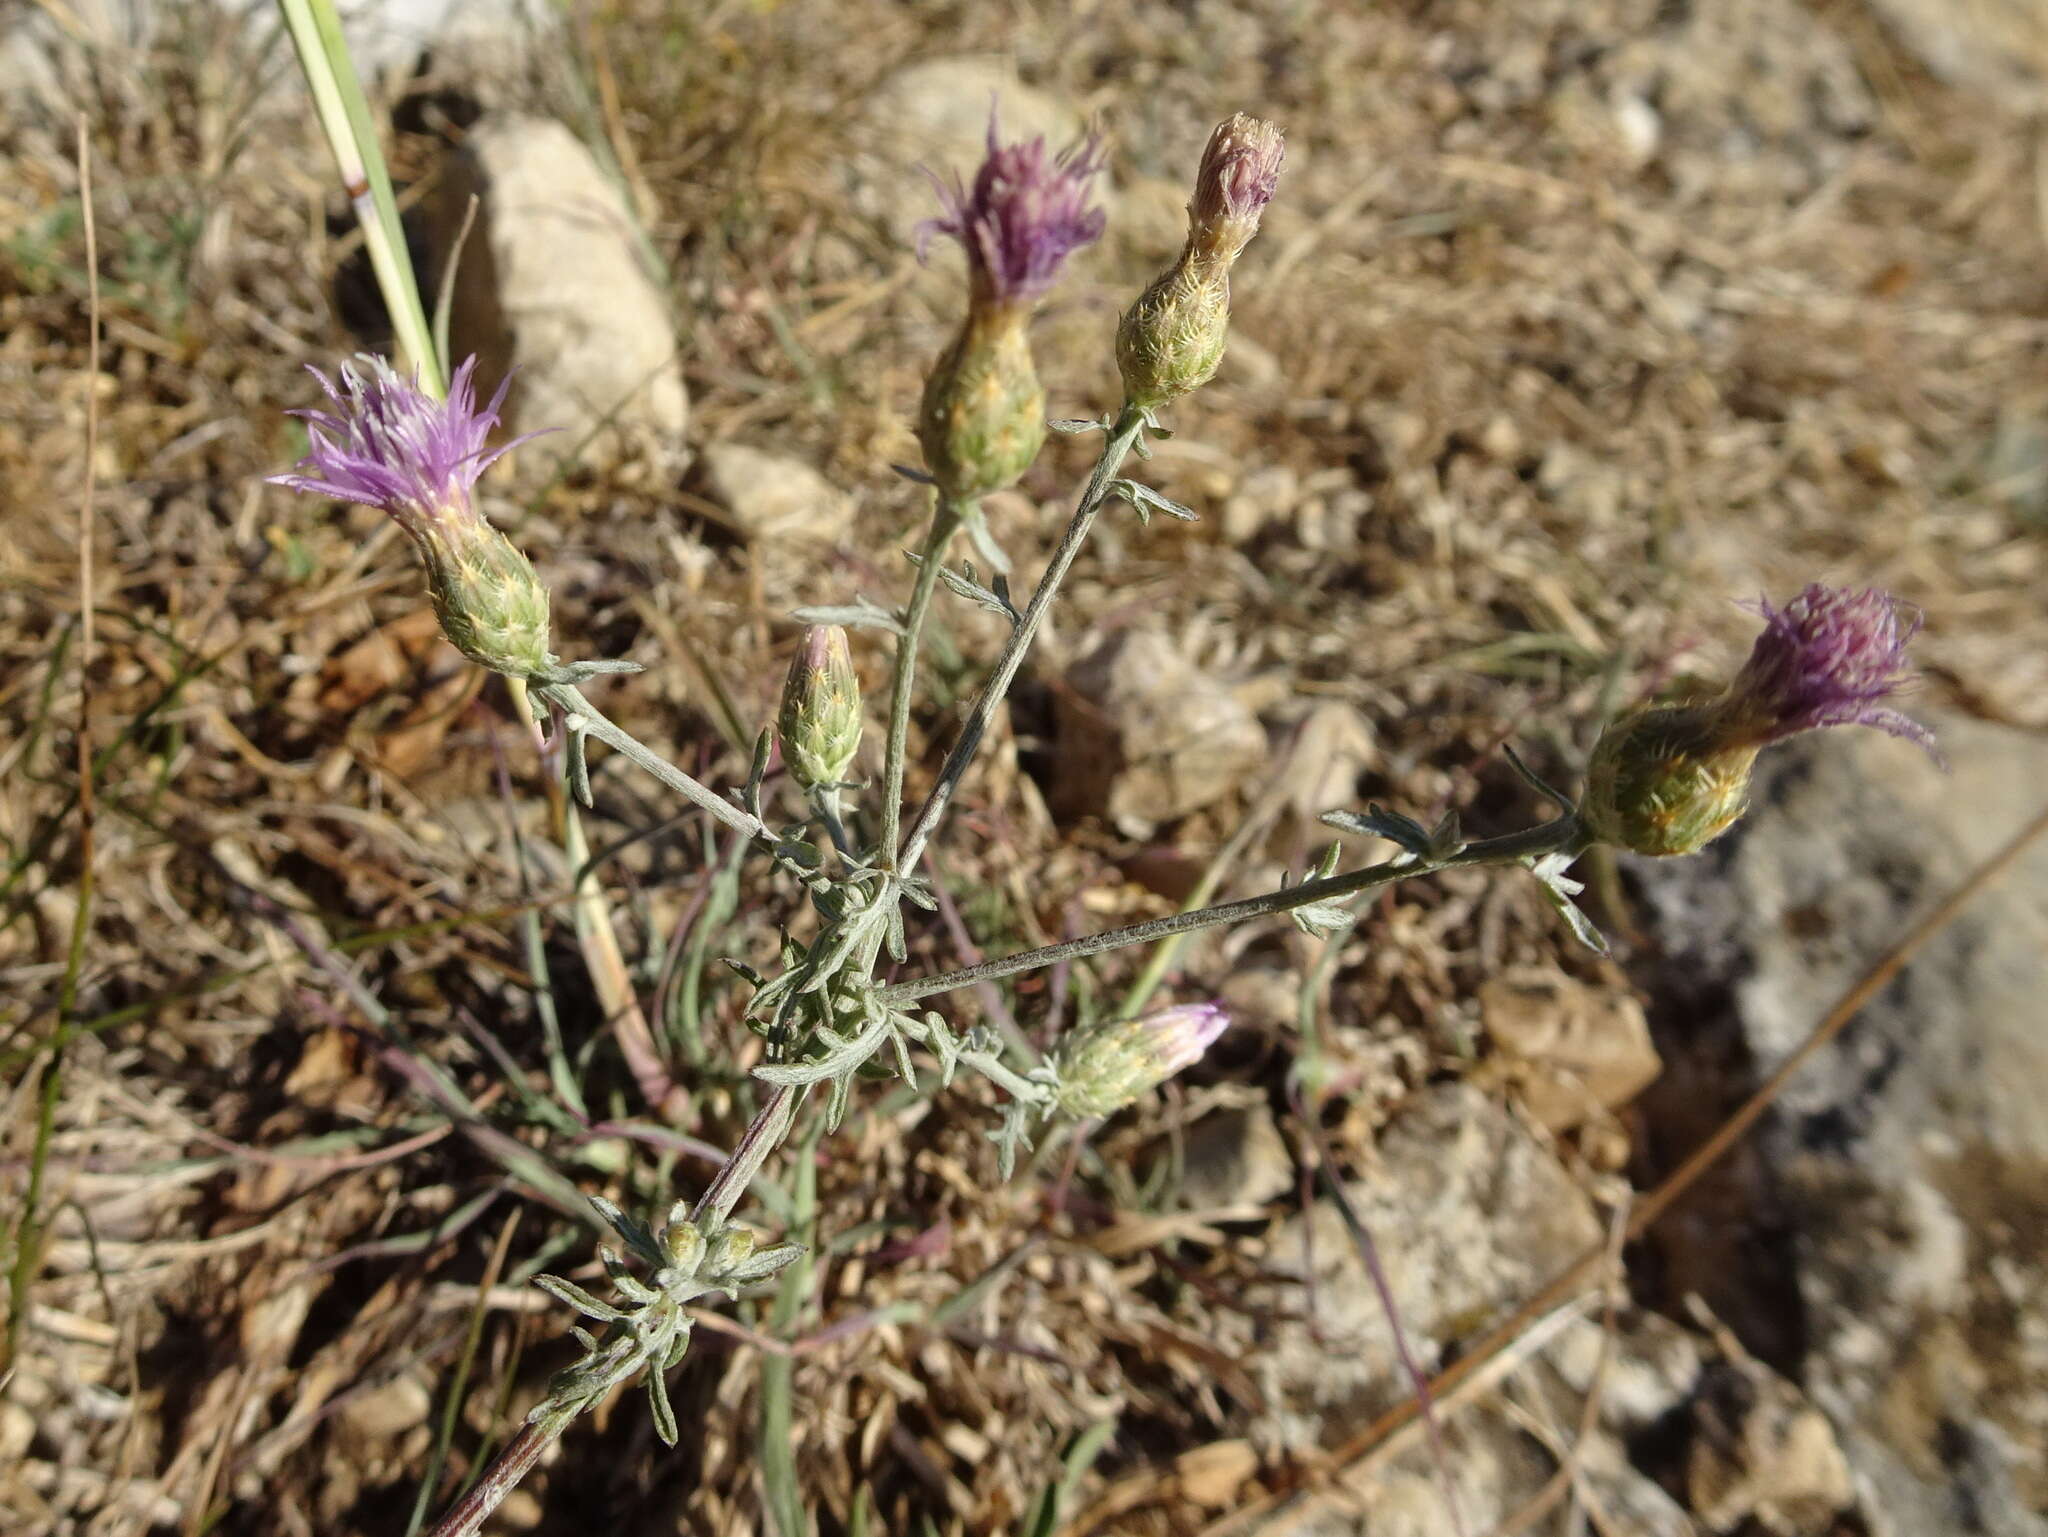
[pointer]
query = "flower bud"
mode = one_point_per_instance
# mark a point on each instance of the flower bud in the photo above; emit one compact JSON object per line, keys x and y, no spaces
{"x":1670,"y":779}
{"x":1171,"y":341}
{"x":387,"y":444}
{"x":982,"y":419}
{"x":1108,"y":1065}
{"x":1663,"y":780}
{"x":488,"y":597}
{"x":820,"y":720}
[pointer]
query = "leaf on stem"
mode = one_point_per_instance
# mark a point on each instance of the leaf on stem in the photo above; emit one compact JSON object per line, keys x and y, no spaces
{"x":1146,"y":501}
{"x":860,"y":614}
{"x":1559,"y":890}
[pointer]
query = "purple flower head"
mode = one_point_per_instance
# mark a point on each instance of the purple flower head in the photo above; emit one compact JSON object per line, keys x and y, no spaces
{"x":1178,"y":1036}
{"x":1240,"y":170}
{"x":388,"y":444}
{"x":1026,"y":213}
{"x":1830,"y":657}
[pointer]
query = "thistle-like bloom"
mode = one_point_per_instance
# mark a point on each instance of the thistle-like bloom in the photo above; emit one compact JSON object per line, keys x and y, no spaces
{"x":820,"y":719}
{"x":1669,"y":779}
{"x":1109,"y":1065}
{"x":1026,"y":213}
{"x":1830,"y":657}
{"x":982,"y":419}
{"x":388,"y":444}
{"x":1171,"y":341}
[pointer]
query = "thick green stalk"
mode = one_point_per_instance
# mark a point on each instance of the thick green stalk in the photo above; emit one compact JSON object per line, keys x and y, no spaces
{"x":946,"y":519}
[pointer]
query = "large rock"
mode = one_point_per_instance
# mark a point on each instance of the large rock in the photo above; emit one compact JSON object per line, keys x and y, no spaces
{"x":552,"y":283}
{"x":49,"y":54}
{"x":1911,"y":1158}
{"x":1146,"y":736}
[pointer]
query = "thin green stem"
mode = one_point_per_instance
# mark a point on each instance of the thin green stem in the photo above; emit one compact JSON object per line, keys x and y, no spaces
{"x":579,"y":714}
{"x":946,"y":518}
{"x":1564,"y":833}
{"x":1129,"y":424}
{"x":344,"y":114}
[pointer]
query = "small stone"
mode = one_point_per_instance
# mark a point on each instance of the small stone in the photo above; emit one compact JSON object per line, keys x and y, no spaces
{"x":389,"y":1410}
{"x":1235,"y":1159}
{"x":1145,"y":736}
{"x":1268,"y":494}
{"x":1210,"y":1476}
{"x":1500,"y":439}
{"x":1762,"y":1454}
{"x":551,"y":284}
{"x":1583,"y":1049}
{"x":17,"y":1432}
{"x":776,"y":499}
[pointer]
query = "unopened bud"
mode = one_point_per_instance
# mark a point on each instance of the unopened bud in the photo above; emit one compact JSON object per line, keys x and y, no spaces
{"x":820,"y":720}
{"x":1108,"y":1065}
{"x":1171,"y":341}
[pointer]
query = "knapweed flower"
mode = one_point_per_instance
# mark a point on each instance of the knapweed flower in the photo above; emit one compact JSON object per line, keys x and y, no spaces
{"x":982,"y":418}
{"x":388,"y":444}
{"x":820,"y":719}
{"x":1108,"y":1065}
{"x":1172,"y":339}
{"x":1668,"y":779}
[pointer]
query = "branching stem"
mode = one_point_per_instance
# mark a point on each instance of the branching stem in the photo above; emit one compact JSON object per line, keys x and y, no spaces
{"x":1550,"y":837}
{"x":1122,"y":435}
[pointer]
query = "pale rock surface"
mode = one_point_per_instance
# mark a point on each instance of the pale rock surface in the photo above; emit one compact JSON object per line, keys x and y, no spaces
{"x":1912,"y":1156}
{"x":1146,"y":736}
{"x":1470,"y":1214}
{"x":46,"y":52}
{"x":772,"y":497}
{"x":552,"y":285}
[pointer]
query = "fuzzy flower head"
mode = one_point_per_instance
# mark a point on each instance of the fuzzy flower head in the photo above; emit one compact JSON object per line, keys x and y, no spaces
{"x":1109,"y":1065}
{"x":820,"y":719}
{"x":388,"y":444}
{"x":1669,"y":779}
{"x":1027,"y":211}
{"x":1830,"y":657}
{"x":1171,"y":340}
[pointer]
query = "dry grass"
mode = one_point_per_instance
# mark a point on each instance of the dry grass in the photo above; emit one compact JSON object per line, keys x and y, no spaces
{"x":1545,"y":411}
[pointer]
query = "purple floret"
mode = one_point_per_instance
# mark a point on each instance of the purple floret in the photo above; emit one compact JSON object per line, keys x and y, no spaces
{"x":1026,"y":213}
{"x":1830,"y":657}
{"x":1241,"y":166}
{"x":389,"y":444}
{"x":1181,"y":1034}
